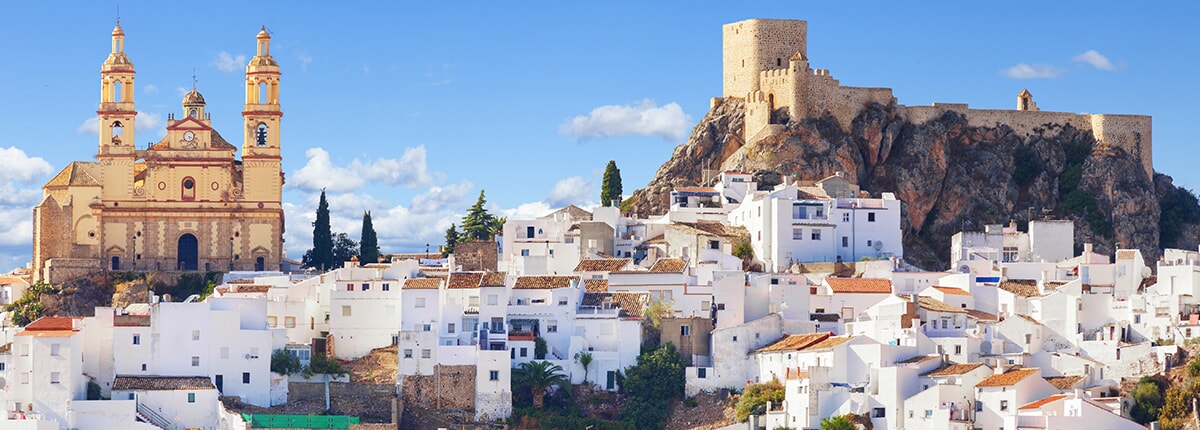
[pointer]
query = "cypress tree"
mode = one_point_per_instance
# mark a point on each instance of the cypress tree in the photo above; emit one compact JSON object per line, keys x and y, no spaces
{"x":322,"y":250}
{"x":369,"y":241}
{"x":610,"y":186}
{"x":452,"y":238}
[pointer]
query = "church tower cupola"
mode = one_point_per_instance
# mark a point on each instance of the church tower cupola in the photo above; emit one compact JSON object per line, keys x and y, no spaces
{"x":117,"y":111}
{"x":193,"y":104}
{"x":262,"y":171}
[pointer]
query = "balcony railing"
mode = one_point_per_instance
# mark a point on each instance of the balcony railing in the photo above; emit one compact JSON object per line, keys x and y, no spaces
{"x":521,"y":335}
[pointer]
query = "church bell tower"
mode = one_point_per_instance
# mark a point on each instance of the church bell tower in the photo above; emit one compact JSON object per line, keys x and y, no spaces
{"x":117,"y":116}
{"x":261,"y":116}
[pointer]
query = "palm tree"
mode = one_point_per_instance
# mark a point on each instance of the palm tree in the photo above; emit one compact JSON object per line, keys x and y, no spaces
{"x":539,"y":376}
{"x":585,"y":358}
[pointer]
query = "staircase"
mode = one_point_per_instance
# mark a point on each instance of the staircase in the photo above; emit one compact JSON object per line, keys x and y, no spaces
{"x":150,"y":416}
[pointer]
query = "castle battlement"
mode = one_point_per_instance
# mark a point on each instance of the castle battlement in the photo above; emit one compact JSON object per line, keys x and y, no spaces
{"x":766,"y":64}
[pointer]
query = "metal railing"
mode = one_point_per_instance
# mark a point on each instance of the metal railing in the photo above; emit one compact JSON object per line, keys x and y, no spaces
{"x":153,"y":417}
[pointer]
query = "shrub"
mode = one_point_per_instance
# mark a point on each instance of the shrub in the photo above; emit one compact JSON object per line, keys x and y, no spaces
{"x":754,"y":400}
{"x":1147,"y":400}
{"x":539,"y":348}
{"x":837,"y":423}
{"x":1027,"y":165}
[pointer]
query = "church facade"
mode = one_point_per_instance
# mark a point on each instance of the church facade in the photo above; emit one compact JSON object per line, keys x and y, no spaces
{"x":185,"y":203}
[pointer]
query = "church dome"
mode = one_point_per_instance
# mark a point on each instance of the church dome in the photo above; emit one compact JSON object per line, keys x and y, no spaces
{"x":193,"y":98}
{"x":262,"y":34}
{"x":117,"y":31}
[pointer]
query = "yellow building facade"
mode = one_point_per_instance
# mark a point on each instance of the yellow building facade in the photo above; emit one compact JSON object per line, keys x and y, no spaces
{"x":185,"y":203}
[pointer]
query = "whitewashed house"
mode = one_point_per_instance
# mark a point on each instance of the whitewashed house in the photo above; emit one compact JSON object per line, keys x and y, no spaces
{"x":998,"y":397}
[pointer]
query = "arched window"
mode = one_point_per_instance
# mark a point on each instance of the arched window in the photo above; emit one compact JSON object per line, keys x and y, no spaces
{"x":260,"y":136}
{"x":189,"y":188}
{"x":192,"y":112}
{"x":262,"y":93}
{"x":117,"y":96}
{"x":117,"y":131}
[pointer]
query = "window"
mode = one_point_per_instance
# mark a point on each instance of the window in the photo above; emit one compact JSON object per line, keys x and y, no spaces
{"x":493,"y":299}
{"x":945,"y":324}
{"x":845,"y":242}
{"x":816,"y":234}
{"x":714,"y":244}
{"x":55,"y":349}
{"x":928,"y":413}
{"x":143,"y":367}
{"x":195,"y":334}
{"x":720,"y":306}
{"x":245,"y":377}
{"x":870,"y":216}
{"x":799,"y":212}
{"x":289,"y":322}
{"x":702,"y":372}
{"x":349,"y":287}
{"x":797,"y":234}
{"x":426,"y":353}
{"x":524,"y":252}
{"x":1,"y":367}
{"x":685,"y":330}
{"x":846,"y":217}
{"x":366,"y":287}
{"x":420,"y":302}
{"x":878,"y":413}
{"x":1028,"y":338}
{"x":387,"y":287}
{"x":195,"y":361}
{"x":978,"y":406}
{"x":529,"y":232}
{"x":735,"y":338}
{"x":55,"y":377}
{"x":407,"y":353}
{"x":191,"y":397}
{"x":957,"y":349}
{"x":346,"y":310}
{"x":524,"y":352}
{"x":493,"y":375}
{"x":450,"y":328}
{"x":1004,"y":405}
{"x":562,"y":301}
{"x":1010,"y":254}
{"x":870,"y":242}
{"x":137,"y":339}
{"x":271,"y":321}
{"x":552,"y":326}
{"x":426,"y":327}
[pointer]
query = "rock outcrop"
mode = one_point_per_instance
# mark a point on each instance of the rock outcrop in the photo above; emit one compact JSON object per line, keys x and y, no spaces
{"x":949,"y":175}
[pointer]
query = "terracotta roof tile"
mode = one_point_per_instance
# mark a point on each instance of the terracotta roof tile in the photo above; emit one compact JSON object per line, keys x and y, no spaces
{"x":1064,"y":382}
{"x":860,"y":285}
{"x":78,"y":173}
{"x":464,"y":280}
{"x":1048,"y":286}
{"x":162,"y":383}
{"x":716,"y":229}
{"x":981,"y":315}
{"x":493,"y":279}
{"x":1125,"y":254}
{"x":422,"y":284}
{"x":795,"y":342}
{"x":796,"y":373}
{"x":954,"y":369}
{"x":630,"y":304}
{"x":6,"y":348}
{"x":52,"y":324}
{"x":602,"y":264}
{"x":1030,"y":319}
{"x":952,"y":291}
{"x":932,"y":304}
{"x":695,"y":189}
{"x":131,"y":320}
{"x":595,"y":285}
{"x":1021,"y":287}
{"x":1008,"y":378}
{"x":669,"y":265}
{"x":543,"y":282}
{"x":829,"y":342}
{"x":918,"y":359}
{"x":1044,"y":402}
{"x":251,"y":288}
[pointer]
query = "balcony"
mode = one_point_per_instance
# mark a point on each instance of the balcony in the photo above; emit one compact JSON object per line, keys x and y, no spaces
{"x":521,"y":335}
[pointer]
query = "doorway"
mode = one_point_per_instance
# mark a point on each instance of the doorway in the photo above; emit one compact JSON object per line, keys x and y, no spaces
{"x":188,"y":252}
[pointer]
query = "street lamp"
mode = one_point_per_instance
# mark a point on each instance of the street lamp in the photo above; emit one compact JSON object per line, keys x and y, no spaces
{"x":231,"y":254}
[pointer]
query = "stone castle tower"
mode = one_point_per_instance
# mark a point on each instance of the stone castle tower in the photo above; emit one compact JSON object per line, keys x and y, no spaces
{"x":184,"y":203}
{"x":765,"y":63}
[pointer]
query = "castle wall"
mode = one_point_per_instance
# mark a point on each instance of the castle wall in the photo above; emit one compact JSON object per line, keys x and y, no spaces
{"x":1129,"y":132}
{"x":755,"y":45}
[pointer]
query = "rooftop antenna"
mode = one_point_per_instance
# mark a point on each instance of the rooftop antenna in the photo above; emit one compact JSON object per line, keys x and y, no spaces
{"x":118,"y":13}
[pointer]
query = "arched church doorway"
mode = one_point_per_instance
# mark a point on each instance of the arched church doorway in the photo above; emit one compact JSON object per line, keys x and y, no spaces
{"x":188,"y":252}
{"x":260,"y":264}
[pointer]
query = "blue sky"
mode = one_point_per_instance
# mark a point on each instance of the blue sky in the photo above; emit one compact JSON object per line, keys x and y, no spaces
{"x":408,"y":110}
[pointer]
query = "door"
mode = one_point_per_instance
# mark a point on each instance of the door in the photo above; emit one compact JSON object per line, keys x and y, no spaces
{"x":259,"y":264}
{"x":612,"y":380}
{"x":220,"y":383}
{"x":188,"y":252}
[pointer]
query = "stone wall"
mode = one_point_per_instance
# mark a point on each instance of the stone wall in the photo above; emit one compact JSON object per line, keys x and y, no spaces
{"x":457,"y":388}
{"x":755,"y":45}
{"x":476,"y":255}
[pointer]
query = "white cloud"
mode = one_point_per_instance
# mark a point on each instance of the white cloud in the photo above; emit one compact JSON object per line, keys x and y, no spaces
{"x":1036,"y":71}
{"x":1095,"y":59}
{"x":305,"y":60}
{"x":16,"y":227}
{"x":529,"y":210}
{"x":641,"y":119}
{"x":570,"y":191}
{"x":228,"y":63}
{"x":150,"y":89}
{"x":438,"y":199}
{"x":16,"y":166}
{"x":145,"y":121}
{"x":409,"y":170}
{"x":182,"y":91}
{"x":319,"y":172}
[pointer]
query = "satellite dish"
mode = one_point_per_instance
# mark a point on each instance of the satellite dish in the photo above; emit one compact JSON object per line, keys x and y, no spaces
{"x":878,"y":245}
{"x":985,"y":347}
{"x":964,"y":269}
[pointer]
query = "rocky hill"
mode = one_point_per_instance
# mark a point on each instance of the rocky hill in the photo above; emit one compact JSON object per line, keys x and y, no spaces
{"x":949,"y":176}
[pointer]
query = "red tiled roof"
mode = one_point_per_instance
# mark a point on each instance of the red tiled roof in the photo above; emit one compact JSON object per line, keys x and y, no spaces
{"x":595,"y":285}
{"x":162,"y":383}
{"x":52,"y":324}
{"x":464,"y":280}
{"x":796,"y":373}
{"x":1064,"y":382}
{"x":422,"y":283}
{"x":795,"y":342}
{"x":954,"y":369}
{"x":1021,"y":287}
{"x":669,"y":265}
{"x":952,"y":291}
{"x":860,"y":285}
{"x":932,"y":304}
{"x":602,"y":264}
{"x":543,"y":282}
{"x":1008,"y":378}
{"x":250,"y":288}
{"x":493,"y":279}
{"x":631,"y":304}
{"x":1044,"y":402}
{"x":981,"y":315}
{"x":918,"y":359}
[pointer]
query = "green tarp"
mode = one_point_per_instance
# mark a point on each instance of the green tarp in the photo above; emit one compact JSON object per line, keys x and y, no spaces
{"x":262,"y":421}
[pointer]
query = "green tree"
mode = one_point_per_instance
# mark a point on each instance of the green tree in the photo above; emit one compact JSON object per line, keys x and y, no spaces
{"x":755,"y":397}
{"x":654,"y":313}
{"x":284,"y":363}
{"x":1147,"y":400}
{"x":321,"y":254}
{"x":610,"y":186}
{"x":839,"y":422}
{"x":29,"y":307}
{"x":321,"y":365}
{"x":452,"y":238}
{"x":585,"y":360}
{"x":657,"y":378}
{"x":478,"y":224}
{"x":344,"y":248}
{"x":368,"y":241}
{"x":539,"y":348}
{"x":1177,"y":407}
{"x":538,"y":377}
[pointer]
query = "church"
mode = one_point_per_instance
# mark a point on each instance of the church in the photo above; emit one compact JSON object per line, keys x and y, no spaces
{"x":185,"y":203}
